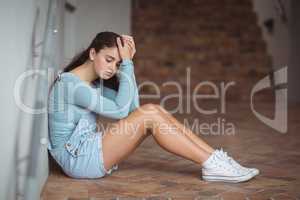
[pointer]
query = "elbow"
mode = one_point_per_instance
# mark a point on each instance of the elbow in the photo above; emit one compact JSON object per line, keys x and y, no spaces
{"x":123,"y":114}
{"x":118,"y":116}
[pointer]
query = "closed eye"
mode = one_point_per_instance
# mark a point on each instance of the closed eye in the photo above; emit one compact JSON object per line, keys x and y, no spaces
{"x":111,"y":58}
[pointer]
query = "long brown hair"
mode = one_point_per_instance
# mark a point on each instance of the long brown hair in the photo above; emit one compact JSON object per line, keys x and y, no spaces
{"x":103,"y":39}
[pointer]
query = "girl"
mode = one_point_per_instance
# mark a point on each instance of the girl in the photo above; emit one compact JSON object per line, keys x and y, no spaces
{"x":101,"y":81}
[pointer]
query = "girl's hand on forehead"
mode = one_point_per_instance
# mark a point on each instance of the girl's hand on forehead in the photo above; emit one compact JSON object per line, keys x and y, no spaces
{"x":124,"y":51}
{"x":128,"y":40}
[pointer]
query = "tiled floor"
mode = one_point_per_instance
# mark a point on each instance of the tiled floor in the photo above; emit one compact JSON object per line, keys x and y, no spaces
{"x":152,"y":173}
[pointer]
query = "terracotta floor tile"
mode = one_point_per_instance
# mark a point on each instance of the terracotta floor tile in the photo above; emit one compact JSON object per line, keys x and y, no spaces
{"x":152,"y":173}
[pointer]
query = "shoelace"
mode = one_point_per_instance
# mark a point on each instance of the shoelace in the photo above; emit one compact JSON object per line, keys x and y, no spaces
{"x":230,"y":159}
{"x":224,"y":155}
{"x":233,"y":162}
{"x":222,"y":164}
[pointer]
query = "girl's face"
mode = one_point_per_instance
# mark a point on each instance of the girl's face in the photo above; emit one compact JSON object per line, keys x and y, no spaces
{"x":106,"y":62}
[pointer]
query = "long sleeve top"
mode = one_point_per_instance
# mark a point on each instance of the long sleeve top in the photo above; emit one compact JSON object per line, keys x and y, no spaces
{"x":71,"y":98}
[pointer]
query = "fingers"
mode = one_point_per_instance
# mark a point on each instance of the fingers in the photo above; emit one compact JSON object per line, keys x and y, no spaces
{"x":127,"y":36}
{"x":128,"y":47}
{"x":129,"y":39}
{"x":119,"y":43}
{"x":129,"y":42}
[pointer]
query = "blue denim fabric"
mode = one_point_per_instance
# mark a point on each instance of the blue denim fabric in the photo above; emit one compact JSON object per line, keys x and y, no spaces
{"x":82,"y":156}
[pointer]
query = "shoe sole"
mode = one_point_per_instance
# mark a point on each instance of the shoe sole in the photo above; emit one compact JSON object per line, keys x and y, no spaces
{"x":255,"y":172}
{"x":228,"y":179}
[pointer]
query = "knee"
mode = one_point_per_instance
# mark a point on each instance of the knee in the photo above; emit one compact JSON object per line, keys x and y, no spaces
{"x":150,"y":107}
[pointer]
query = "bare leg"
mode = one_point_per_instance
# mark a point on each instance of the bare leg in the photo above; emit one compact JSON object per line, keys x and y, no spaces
{"x":122,"y":138}
{"x":187,"y":131}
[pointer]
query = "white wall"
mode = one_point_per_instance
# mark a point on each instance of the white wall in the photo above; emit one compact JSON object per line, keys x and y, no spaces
{"x":278,"y":42}
{"x":69,"y":34}
{"x":16,"y":29}
{"x":283,"y":45}
{"x":23,"y":28}
{"x":17,"y":22}
{"x":93,"y":16}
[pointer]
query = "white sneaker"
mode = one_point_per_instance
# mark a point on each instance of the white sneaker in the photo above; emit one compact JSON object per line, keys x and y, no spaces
{"x":235,"y":164}
{"x":218,"y":169}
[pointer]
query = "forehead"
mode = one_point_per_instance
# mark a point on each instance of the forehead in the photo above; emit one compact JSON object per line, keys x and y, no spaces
{"x":111,"y":51}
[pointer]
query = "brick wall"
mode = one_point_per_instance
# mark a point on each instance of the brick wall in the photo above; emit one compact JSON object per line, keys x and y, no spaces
{"x":219,"y":40}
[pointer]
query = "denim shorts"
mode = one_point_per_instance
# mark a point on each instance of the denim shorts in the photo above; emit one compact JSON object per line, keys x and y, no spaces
{"x":82,"y":155}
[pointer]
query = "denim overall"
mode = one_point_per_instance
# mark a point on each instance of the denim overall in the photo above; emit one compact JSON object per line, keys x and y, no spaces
{"x":82,"y":156}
